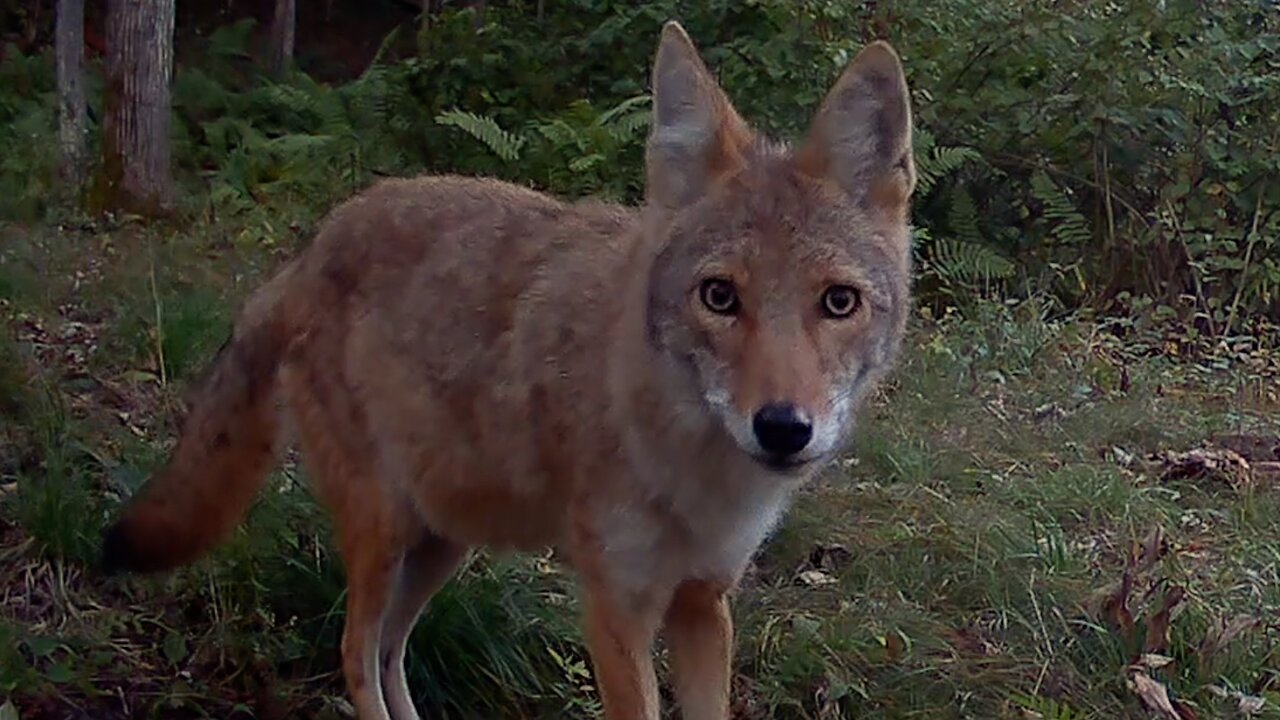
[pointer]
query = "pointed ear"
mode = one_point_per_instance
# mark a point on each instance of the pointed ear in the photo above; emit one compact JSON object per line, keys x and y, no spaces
{"x":861,"y":137}
{"x":696,"y":134}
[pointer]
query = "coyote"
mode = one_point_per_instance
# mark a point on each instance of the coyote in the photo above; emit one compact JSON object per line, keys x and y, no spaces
{"x":465,"y":362}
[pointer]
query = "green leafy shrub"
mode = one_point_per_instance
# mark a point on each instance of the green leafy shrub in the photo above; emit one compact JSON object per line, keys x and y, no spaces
{"x":1089,"y":150}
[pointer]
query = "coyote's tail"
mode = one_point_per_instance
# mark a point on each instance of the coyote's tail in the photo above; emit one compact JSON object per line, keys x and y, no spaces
{"x":228,"y":444}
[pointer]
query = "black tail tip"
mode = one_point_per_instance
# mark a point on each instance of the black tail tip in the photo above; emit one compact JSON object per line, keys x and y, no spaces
{"x":118,"y":554}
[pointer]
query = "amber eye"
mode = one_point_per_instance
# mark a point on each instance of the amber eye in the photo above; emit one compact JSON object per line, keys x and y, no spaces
{"x":840,"y":301}
{"x":719,"y":296}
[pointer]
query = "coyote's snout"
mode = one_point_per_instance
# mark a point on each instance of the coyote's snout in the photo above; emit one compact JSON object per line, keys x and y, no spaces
{"x":468,"y":362}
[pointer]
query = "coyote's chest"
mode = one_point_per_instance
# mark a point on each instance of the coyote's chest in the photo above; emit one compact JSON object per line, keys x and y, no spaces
{"x":698,"y":531}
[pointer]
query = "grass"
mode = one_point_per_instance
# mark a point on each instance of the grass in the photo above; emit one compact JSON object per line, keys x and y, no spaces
{"x":965,"y":561}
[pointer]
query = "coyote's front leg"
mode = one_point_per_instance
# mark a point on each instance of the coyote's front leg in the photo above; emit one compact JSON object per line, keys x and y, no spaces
{"x":619,"y":637}
{"x":699,"y":634}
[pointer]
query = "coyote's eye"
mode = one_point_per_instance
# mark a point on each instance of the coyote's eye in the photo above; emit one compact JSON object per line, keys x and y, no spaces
{"x":719,"y":296}
{"x":840,"y":301}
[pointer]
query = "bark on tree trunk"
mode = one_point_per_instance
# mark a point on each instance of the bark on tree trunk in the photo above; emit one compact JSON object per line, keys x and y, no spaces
{"x":136,"y":123}
{"x":72,"y":116}
{"x":282,"y":34}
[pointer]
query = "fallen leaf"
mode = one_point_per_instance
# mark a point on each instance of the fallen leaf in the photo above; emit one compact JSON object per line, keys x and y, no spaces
{"x":1115,"y":606}
{"x":1250,"y":704}
{"x":1155,"y":696}
{"x":829,"y":556}
{"x":1207,"y":465}
{"x":816,"y":578}
{"x":1158,"y":626}
{"x":894,"y":646}
{"x":1221,"y":634}
{"x":1154,"y":661}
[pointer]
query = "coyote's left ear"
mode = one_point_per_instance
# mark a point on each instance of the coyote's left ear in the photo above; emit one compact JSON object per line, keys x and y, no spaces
{"x":861,"y":137}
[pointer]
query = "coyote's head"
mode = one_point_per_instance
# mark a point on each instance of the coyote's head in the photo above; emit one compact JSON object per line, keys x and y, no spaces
{"x":781,"y":286}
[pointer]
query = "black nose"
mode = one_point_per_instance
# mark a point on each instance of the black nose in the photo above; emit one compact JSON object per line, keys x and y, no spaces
{"x":781,"y":429}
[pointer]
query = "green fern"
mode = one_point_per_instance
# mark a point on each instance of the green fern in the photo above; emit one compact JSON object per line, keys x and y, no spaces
{"x":627,"y":118}
{"x":503,"y":144}
{"x":628,"y":125}
{"x":934,"y":163}
{"x":963,"y":257}
{"x":232,"y":41}
{"x":639,"y":103}
{"x":1067,"y":226}
{"x":586,"y":162}
{"x":964,"y":263}
{"x":560,"y":133}
{"x":962,"y":217}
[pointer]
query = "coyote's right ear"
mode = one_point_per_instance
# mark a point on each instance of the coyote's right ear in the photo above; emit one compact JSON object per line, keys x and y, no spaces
{"x":696,"y":136}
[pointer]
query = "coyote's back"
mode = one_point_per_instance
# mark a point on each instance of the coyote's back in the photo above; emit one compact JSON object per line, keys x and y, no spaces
{"x":417,"y":333}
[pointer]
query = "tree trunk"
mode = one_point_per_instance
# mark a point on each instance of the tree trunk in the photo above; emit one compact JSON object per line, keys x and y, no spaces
{"x":282,"y":33}
{"x":72,"y":116}
{"x":135,"y":128}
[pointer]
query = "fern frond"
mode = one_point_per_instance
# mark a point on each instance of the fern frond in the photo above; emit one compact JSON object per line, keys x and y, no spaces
{"x":1067,"y":226}
{"x":923,"y":141}
{"x":626,"y":107}
{"x":967,"y":263}
{"x":934,"y":163}
{"x":962,"y":217}
{"x":560,"y":133}
{"x":199,"y":94}
{"x":232,"y":41}
{"x":503,"y":144}
{"x":586,"y":162}
{"x":626,"y":126}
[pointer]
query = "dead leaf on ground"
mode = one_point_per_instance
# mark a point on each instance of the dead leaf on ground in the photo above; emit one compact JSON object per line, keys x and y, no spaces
{"x":970,"y":641}
{"x":1250,"y":704}
{"x":1246,"y":705}
{"x":895,"y":645}
{"x":1222,"y":633}
{"x":816,"y":578}
{"x":1158,"y":626}
{"x":1155,"y":696}
{"x":1206,"y":465}
{"x":830,"y":557}
{"x":1115,"y":605}
{"x":1123,"y":603}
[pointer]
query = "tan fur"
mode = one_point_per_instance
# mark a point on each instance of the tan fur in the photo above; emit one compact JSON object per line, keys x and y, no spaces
{"x":472,"y":363}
